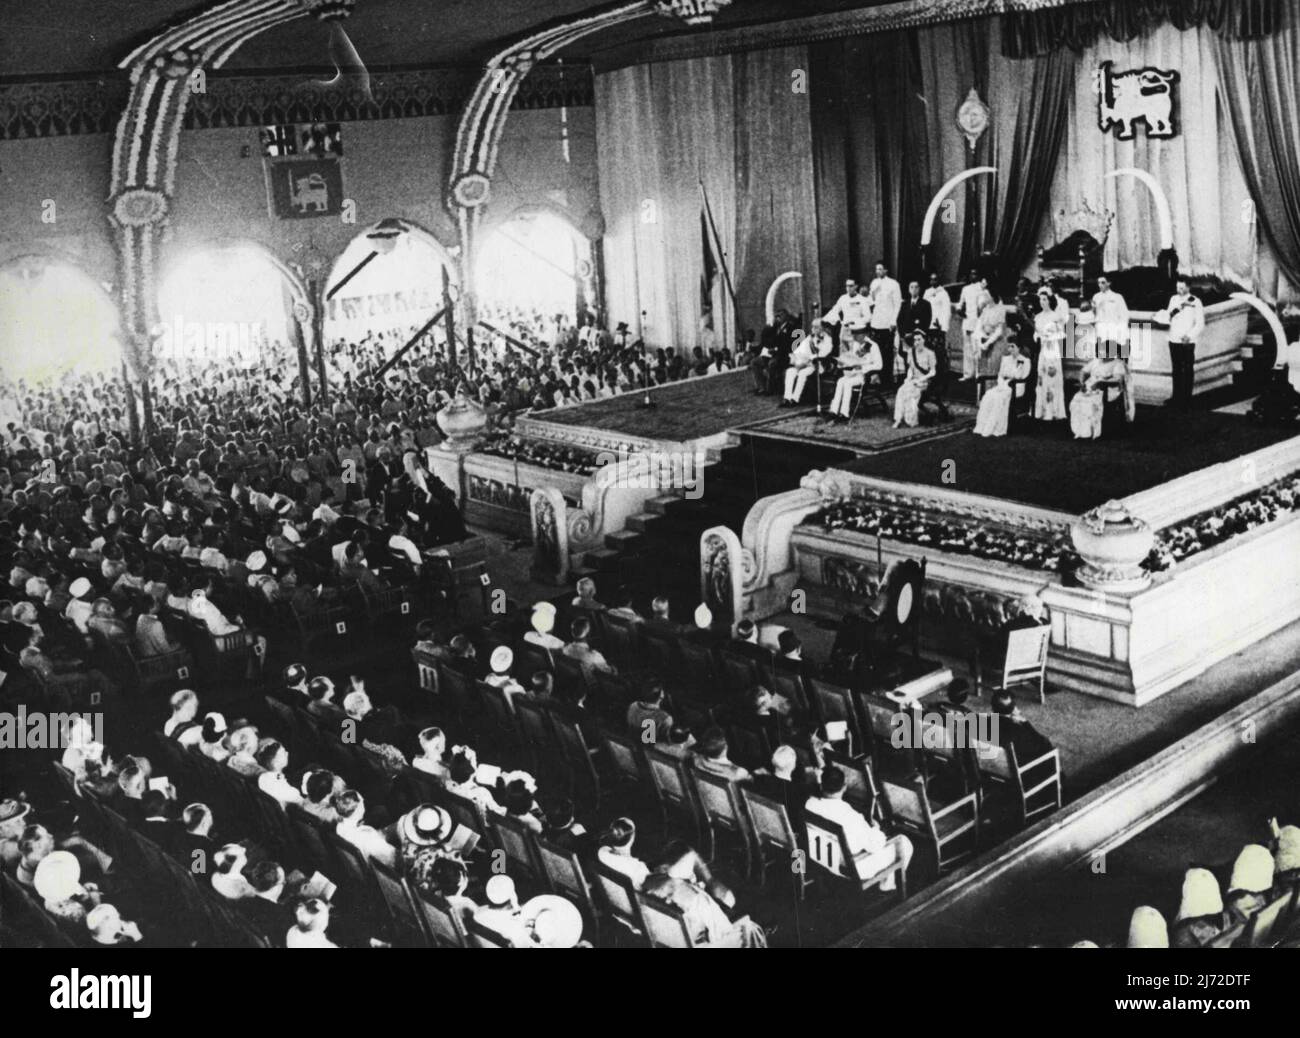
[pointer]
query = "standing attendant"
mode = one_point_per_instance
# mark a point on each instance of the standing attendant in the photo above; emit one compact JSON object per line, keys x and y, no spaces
{"x":1112,"y":319}
{"x":915,"y":314}
{"x":974,"y":298}
{"x":851,"y":312}
{"x":886,"y":300}
{"x":1186,"y":322}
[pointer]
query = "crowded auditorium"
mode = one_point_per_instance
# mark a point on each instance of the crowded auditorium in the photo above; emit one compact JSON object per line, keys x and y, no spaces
{"x":649,"y":474}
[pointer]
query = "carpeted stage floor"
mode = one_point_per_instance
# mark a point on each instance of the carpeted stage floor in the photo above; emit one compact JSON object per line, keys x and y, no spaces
{"x":1045,"y":466}
{"x":1041,"y":465}
{"x":683,"y":411}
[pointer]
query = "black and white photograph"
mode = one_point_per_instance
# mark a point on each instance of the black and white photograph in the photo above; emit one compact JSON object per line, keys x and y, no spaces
{"x":651,"y":474}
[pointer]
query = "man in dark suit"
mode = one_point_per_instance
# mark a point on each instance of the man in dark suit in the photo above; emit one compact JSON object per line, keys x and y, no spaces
{"x":915,"y":313}
{"x":775,"y":343}
{"x":264,"y":912}
{"x":787,"y":787}
{"x":160,"y":823}
{"x":1012,"y":730}
{"x":194,"y":843}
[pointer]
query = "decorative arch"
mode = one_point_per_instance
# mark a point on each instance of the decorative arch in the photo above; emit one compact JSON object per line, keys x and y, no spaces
{"x":483,"y":121}
{"x":162,"y":75}
{"x":415,"y":230}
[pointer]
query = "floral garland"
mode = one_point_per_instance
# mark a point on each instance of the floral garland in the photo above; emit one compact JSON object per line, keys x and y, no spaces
{"x":1204,"y":531}
{"x":1053,"y":555}
{"x":545,"y":455}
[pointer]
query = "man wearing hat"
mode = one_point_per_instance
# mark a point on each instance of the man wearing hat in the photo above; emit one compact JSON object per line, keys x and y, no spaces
{"x":80,"y":610}
{"x":543,"y":621}
{"x":502,"y":913}
{"x":502,"y":660}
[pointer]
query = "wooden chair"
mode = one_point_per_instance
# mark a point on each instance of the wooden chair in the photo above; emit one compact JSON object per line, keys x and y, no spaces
{"x":723,"y":811}
{"x":535,"y":727}
{"x":517,"y":841}
{"x":405,"y":924}
{"x":774,"y":837}
{"x":790,"y":684}
{"x":860,"y":789}
{"x":456,"y":690}
{"x":426,"y":671}
{"x":884,"y":718}
{"x":828,"y":847}
{"x":564,"y":875}
{"x":1026,"y":659}
{"x":665,"y":924}
{"x":749,"y":747}
{"x":623,"y":758}
{"x":1035,"y":785}
{"x":951,"y":832}
{"x":832,"y":702}
{"x":663,"y":652}
{"x":577,"y":754}
{"x":311,"y":849}
{"x":443,"y":925}
{"x":701,"y":669}
{"x":497,"y":708}
{"x":622,"y":905}
{"x":672,"y":786}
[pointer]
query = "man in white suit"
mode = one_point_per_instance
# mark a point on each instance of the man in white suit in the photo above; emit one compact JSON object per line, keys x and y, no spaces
{"x":1186,"y":322}
{"x":886,"y":300}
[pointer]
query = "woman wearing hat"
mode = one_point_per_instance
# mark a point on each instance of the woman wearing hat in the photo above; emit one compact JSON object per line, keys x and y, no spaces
{"x":1200,"y":915}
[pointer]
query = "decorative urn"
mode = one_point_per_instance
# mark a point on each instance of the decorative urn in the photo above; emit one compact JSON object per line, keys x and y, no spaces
{"x":463,"y":420}
{"x":1113,"y":544}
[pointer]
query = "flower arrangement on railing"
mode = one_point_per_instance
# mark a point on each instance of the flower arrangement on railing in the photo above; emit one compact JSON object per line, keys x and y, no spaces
{"x":1204,"y":531}
{"x":1051,"y":554}
{"x":537,"y":452}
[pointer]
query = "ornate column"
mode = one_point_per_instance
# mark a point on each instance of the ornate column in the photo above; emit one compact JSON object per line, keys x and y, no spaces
{"x":164,"y":72}
{"x":483,"y":121}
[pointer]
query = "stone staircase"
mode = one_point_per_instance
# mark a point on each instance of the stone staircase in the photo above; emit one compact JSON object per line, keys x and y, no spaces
{"x":658,"y":552}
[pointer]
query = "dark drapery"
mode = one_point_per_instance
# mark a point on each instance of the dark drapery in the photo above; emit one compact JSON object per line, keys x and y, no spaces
{"x":883,"y":111}
{"x":1025,"y":143}
{"x":1259,"y":82}
{"x":1078,"y":26}
{"x":871,"y":154}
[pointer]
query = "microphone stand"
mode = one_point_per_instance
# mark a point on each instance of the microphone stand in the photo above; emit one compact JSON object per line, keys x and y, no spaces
{"x":646,"y":403}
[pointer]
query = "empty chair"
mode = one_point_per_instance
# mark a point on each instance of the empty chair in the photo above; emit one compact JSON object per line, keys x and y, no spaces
{"x":665,"y":924}
{"x":621,"y":901}
{"x":672,"y":786}
{"x":951,"y":832}
{"x":722,"y":811}
{"x":516,"y":840}
{"x":622,"y":756}
{"x":1035,"y":786}
{"x":1026,"y":659}
{"x":775,"y":842}
{"x":443,"y":925}
{"x":406,"y":928}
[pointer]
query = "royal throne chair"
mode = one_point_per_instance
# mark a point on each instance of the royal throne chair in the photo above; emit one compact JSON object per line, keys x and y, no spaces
{"x":1076,"y":257}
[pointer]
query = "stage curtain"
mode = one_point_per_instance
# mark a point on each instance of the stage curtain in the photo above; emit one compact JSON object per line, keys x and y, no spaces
{"x":1197,"y":169}
{"x":663,"y":129}
{"x":870,"y":141}
{"x":739,"y":123}
{"x":775,"y":200}
{"x":1260,"y":85}
{"x":1080,"y":26}
{"x":954,"y":59}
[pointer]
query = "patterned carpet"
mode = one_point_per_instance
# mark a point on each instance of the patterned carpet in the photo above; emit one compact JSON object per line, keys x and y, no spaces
{"x":683,"y":411}
{"x":866,"y":434}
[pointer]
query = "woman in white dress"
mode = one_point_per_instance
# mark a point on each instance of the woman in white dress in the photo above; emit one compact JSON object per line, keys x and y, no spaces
{"x":920,"y":371}
{"x":1049,"y":330}
{"x":1098,"y":378}
{"x":995,"y":406}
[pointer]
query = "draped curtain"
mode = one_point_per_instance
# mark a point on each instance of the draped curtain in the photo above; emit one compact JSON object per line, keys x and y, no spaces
{"x":1079,"y":26}
{"x":739,"y":125}
{"x":884,"y":131}
{"x":870,"y":140}
{"x":1197,"y":169}
{"x":1260,"y":86}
